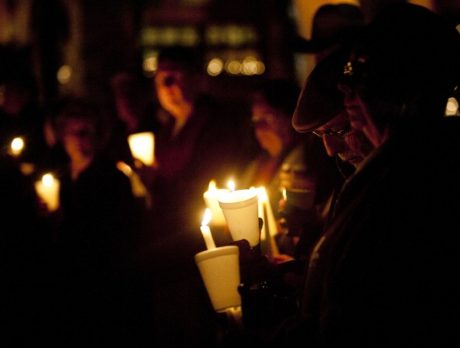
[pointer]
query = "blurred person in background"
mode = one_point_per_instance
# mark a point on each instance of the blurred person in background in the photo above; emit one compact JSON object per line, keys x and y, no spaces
{"x":98,"y":227}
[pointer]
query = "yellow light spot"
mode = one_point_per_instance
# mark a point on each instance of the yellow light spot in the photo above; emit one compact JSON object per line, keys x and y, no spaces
{"x":233,"y":67}
{"x":231,"y":185}
{"x":48,"y":179}
{"x":451,"y":107}
{"x":17,"y":145}
{"x":250,"y":66}
{"x":150,"y":64}
{"x":215,"y":66}
{"x":64,"y":74}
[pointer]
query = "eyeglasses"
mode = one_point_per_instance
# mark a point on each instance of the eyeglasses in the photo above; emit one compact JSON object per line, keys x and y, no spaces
{"x":340,"y":133}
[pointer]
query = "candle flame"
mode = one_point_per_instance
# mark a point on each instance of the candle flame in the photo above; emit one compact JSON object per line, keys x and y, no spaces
{"x":231,"y":185}
{"x":48,"y":179}
{"x":283,"y":192}
{"x":262,"y":192}
{"x":206,"y":217}
{"x":212,"y":186}
{"x":17,"y":145}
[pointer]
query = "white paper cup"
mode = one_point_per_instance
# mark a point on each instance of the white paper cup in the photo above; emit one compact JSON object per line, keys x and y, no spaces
{"x":240,"y":209}
{"x":220,"y":271}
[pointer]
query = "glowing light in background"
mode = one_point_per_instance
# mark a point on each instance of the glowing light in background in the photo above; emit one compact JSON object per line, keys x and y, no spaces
{"x":215,"y":66}
{"x":17,"y":145}
{"x":250,"y":66}
{"x":64,"y":74}
{"x":233,"y":67}
{"x":150,"y":63}
{"x":231,"y":185}
{"x":451,"y":107}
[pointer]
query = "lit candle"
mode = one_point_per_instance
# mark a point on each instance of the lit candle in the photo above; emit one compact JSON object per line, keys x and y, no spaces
{"x":269,"y":228}
{"x":48,"y":190}
{"x":142,"y":146}
{"x":17,"y":146}
{"x":206,"y":231}
{"x":231,"y":185}
{"x":211,"y":197}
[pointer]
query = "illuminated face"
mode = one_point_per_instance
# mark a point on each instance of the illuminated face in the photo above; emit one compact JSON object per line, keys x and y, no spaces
{"x":171,"y":88}
{"x":79,"y":139}
{"x":342,"y":141}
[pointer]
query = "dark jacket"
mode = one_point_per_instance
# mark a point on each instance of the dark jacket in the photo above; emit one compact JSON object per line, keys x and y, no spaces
{"x":385,"y":272}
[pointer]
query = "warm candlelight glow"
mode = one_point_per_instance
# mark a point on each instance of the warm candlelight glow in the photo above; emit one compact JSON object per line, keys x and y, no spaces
{"x":142,"y":147}
{"x":48,"y":190}
{"x":231,"y":185}
{"x":17,"y":146}
{"x":269,"y":227}
{"x":206,"y":217}
{"x":206,"y":231}
{"x":211,"y":199}
{"x":283,"y":192}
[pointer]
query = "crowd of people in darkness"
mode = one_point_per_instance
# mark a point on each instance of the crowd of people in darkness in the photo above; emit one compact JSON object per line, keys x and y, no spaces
{"x":360,"y":163}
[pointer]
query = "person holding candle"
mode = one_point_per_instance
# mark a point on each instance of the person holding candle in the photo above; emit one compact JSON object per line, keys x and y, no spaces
{"x":197,"y":143}
{"x":21,"y":115}
{"x":382,"y":275}
{"x":283,"y":151}
{"x":98,"y":223}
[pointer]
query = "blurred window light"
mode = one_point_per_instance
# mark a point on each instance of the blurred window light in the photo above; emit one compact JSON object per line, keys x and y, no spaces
{"x":64,"y":74}
{"x":170,"y":36}
{"x":251,"y":35}
{"x":235,"y":35}
{"x":215,"y":67}
{"x":150,"y":36}
{"x":189,"y":36}
{"x":213,"y":35}
{"x":452,"y":107}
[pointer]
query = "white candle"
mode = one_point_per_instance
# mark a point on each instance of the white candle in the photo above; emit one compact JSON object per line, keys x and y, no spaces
{"x":142,"y":146}
{"x":211,"y":197}
{"x":48,"y":190}
{"x":206,"y":231}
{"x":269,"y":229}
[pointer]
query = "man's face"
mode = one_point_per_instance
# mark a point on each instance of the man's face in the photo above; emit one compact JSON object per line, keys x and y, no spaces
{"x":342,"y":141}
